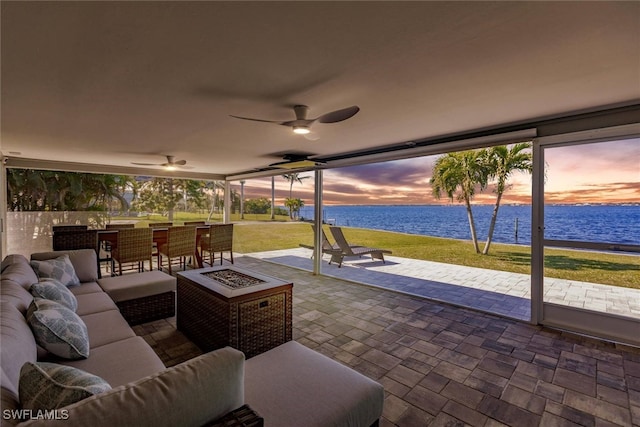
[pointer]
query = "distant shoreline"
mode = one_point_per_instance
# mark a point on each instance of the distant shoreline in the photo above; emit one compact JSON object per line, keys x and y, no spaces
{"x":612,"y":223}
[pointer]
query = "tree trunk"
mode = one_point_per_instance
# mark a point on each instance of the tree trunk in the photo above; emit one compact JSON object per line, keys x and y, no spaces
{"x":170,"y":215}
{"x":213,"y":205}
{"x":494,"y":216}
{"x":273,"y":198}
{"x":291,"y":198}
{"x":472,"y":226}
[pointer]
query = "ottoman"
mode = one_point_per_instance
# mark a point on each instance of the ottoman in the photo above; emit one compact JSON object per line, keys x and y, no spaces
{"x":292,"y":386}
{"x":142,"y":297}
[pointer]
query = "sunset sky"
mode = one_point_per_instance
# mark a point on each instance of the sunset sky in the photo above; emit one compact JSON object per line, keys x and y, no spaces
{"x":606,"y":172}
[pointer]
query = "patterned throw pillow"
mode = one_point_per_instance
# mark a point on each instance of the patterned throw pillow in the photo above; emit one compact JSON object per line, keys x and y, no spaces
{"x":48,"y":386}
{"x":58,"y":330}
{"x":54,"y":290}
{"x":58,"y":268}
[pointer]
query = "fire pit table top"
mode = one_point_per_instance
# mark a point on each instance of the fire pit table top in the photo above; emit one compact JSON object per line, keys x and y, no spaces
{"x":231,"y":281}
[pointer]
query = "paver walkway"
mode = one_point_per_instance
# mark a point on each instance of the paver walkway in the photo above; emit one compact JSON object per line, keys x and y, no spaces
{"x":499,"y":292}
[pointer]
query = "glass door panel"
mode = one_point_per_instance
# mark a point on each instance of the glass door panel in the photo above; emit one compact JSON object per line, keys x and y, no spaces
{"x":591,"y":237}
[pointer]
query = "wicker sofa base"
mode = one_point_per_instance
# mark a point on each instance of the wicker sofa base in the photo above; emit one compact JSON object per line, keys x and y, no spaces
{"x":147,"y":309}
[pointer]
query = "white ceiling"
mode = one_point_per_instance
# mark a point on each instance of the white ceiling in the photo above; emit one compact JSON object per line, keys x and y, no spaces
{"x":116,"y":82}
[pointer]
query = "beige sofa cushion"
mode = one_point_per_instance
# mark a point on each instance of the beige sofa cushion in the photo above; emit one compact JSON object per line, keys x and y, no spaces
{"x":8,"y":400}
{"x":189,"y":394}
{"x":13,"y":259}
{"x":86,"y":288}
{"x":84,"y":261}
{"x":120,"y":362}
{"x":95,"y":302}
{"x":19,"y":272}
{"x":15,"y":294}
{"x":17,"y":345}
{"x":106,"y":327}
{"x":292,"y":386}
{"x":17,"y":278}
{"x":140,"y":285}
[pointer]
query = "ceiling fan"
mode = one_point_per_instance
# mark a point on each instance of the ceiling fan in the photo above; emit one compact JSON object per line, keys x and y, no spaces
{"x":296,"y":161}
{"x":302,"y":125}
{"x":170,"y":164}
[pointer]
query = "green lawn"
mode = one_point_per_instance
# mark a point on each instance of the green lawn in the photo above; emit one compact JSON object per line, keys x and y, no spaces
{"x":594,"y":267}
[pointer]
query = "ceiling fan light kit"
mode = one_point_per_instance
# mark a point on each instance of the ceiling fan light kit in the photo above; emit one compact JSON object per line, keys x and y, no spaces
{"x":301,"y":130}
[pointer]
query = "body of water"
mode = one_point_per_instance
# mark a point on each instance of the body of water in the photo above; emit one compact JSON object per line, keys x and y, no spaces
{"x":601,"y":223}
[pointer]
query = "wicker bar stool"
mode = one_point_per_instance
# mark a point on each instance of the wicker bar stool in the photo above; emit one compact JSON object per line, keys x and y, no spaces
{"x":106,"y":246}
{"x":220,"y":239}
{"x":159,"y":225}
{"x":181,"y":243}
{"x":134,"y":245}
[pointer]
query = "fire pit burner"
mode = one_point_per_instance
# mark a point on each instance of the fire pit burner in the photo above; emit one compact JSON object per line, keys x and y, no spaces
{"x":233,"y":279}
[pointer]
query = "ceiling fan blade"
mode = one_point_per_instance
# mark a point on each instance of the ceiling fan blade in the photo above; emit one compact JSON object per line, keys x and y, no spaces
{"x":180,"y":162}
{"x":255,"y":120}
{"x":146,"y":164}
{"x":339,"y":115}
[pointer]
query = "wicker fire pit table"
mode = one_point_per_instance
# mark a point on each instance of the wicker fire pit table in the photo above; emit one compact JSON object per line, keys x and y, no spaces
{"x":230,"y":306}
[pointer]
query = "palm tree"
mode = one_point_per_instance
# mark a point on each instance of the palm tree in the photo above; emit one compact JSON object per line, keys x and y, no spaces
{"x":293,"y":177}
{"x":294,"y":206}
{"x":460,"y":174}
{"x":215,"y":200}
{"x":502,"y":161}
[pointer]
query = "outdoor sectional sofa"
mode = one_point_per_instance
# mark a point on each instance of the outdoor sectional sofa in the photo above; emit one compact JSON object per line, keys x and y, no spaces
{"x":289,"y":385}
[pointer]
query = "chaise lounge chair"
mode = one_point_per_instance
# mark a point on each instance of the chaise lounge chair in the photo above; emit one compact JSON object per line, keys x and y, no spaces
{"x":327,"y":247}
{"x":350,"y":250}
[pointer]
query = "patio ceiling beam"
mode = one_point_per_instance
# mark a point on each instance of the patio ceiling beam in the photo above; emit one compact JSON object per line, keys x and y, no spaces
{"x":588,"y":119}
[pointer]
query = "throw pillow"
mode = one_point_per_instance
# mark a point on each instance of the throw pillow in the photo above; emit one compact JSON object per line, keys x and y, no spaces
{"x":48,"y":386}
{"x":58,"y":268}
{"x":58,"y":329}
{"x":54,"y":290}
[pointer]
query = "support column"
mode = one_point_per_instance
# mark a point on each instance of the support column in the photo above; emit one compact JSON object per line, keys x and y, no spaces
{"x":537,"y":234}
{"x":317,"y":238}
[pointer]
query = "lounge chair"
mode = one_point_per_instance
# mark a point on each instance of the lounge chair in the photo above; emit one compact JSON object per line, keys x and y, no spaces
{"x":327,"y":247}
{"x":350,"y":250}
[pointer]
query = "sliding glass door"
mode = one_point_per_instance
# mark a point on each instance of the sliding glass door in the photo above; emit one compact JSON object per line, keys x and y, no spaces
{"x":586,"y":217}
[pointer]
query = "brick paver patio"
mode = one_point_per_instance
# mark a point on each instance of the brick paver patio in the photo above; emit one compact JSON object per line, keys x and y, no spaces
{"x":447,"y":366}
